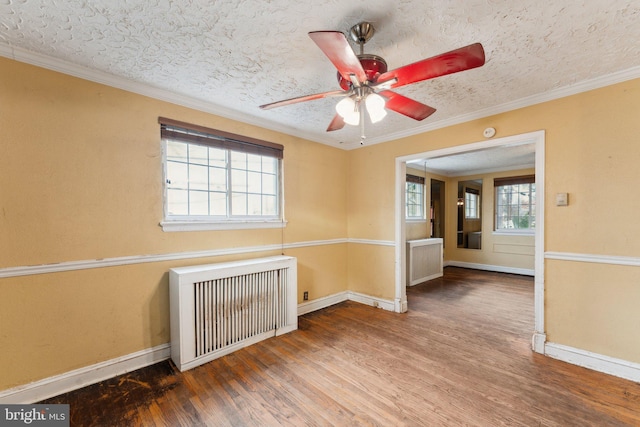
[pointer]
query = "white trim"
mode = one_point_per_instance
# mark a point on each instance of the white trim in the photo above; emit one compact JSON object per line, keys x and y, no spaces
{"x":539,"y":280}
{"x":488,"y":267}
{"x":597,"y":362}
{"x":323,"y":302}
{"x":171,"y":226}
{"x":536,"y":137}
{"x":385,"y":304}
{"x":329,"y":300}
{"x":72,"y":380}
{"x":517,"y":232}
{"x":140,"y":259}
{"x":373,"y":242}
{"x":595,"y":259}
{"x":537,"y":342}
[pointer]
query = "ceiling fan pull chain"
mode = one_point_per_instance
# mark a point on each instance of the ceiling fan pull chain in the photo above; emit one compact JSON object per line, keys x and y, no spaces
{"x":362,"y":137}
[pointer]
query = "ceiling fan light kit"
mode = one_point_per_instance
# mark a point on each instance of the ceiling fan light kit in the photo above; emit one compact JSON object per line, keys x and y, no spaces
{"x":364,"y":78}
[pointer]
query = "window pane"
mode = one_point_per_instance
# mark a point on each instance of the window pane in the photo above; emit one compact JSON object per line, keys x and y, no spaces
{"x":177,"y":175}
{"x":198,"y":177}
{"x":177,"y":202}
{"x":254,"y":162}
{"x":269,"y":184}
{"x":198,"y":154}
{"x":254,"y":204}
{"x":238,"y":160}
{"x":254,"y":182}
{"x":269,"y":205}
{"x":217,"y":179}
{"x":198,"y":203}
{"x":217,"y":157}
{"x":176,"y":151}
{"x":218,"y":204}
{"x":239,"y":204}
{"x":239,"y":180}
{"x":269,"y":165}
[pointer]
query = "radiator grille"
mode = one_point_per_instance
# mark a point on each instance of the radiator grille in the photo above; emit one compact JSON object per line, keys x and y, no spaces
{"x":233,"y":309}
{"x":219,"y":308}
{"x":424,"y":260}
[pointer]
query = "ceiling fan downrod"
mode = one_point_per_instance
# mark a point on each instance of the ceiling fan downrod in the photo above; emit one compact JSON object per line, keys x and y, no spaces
{"x":362,"y":33}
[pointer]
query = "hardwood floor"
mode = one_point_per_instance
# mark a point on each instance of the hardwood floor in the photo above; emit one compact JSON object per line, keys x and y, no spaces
{"x":460,"y":356}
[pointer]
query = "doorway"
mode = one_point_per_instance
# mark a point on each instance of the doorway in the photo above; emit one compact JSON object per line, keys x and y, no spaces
{"x":436,"y":209}
{"x":538,"y":139}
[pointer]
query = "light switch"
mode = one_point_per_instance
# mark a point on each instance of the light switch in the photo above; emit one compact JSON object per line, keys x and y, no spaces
{"x":562,"y":199}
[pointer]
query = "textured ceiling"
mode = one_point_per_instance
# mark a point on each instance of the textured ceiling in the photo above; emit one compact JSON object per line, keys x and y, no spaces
{"x":229,"y":57}
{"x":502,"y":158}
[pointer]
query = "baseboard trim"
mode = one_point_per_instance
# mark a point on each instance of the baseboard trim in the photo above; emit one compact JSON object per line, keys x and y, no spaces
{"x":72,"y":380}
{"x":597,"y":362}
{"x":324,"y":302}
{"x":489,"y":267}
{"x":385,"y":304}
{"x":320,"y":303}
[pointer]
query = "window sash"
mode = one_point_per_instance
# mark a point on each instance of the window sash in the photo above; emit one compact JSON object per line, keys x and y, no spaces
{"x":414,"y":199}
{"x":222,"y":180}
{"x":515,"y":205}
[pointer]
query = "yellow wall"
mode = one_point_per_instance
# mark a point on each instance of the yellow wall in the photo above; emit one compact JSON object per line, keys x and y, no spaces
{"x":592,"y":153}
{"x":81,"y":174}
{"x":81,"y":180}
{"x":496,"y":250}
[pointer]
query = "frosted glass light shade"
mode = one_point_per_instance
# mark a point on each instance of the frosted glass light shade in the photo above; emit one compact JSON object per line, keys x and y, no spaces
{"x":375,"y":107}
{"x":347,"y":108}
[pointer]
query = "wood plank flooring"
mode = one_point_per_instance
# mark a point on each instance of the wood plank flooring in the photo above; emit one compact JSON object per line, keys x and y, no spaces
{"x":460,"y":356}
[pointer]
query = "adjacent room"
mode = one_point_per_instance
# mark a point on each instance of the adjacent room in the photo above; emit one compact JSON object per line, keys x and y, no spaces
{"x":276,"y":213}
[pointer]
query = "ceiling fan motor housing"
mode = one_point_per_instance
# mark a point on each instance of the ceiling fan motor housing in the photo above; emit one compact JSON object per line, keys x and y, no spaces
{"x":373,"y":66}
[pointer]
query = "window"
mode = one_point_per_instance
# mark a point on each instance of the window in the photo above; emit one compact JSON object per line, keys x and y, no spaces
{"x":515,"y":203}
{"x":414,"y":197}
{"x":471,"y":203}
{"x":214,"y":178}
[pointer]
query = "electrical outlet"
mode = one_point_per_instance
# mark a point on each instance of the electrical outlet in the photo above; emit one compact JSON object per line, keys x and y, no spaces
{"x":305,"y":296}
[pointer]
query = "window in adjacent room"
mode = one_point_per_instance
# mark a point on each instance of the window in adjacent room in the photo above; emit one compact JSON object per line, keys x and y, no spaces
{"x":471,"y":203}
{"x":515,"y":204}
{"x":414,"y":195}
{"x":215,"y":179}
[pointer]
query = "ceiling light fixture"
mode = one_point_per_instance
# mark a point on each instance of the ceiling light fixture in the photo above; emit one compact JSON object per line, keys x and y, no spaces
{"x":351,"y":111}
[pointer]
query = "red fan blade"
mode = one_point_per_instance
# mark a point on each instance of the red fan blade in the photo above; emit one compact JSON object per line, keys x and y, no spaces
{"x":465,"y":58}
{"x":304,"y":98}
{"x":406,"y":106}
{"x":336,"y":124}
{"x":336,"y":47}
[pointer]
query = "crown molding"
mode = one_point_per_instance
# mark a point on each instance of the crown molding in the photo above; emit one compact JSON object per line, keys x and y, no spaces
{"x":86,"y":73}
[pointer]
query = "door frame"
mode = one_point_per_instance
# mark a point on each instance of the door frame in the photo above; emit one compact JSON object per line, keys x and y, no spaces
{"x":537,"y":138}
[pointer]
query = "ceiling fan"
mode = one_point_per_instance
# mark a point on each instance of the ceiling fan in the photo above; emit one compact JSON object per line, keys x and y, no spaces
{"x":364,"y":78}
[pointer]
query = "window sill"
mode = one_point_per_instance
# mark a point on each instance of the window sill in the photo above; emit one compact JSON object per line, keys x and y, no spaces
{"x":514,"y":233}
{"x":199,"y":225}
{"x":416,"y":220}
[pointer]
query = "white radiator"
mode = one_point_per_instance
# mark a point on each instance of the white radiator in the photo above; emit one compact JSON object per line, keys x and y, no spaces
{"x":219,"y":308}
{"x":424,"y":260}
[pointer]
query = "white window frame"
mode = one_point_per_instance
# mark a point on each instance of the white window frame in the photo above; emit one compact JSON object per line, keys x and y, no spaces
{"x":471,"y":205}
{"x":530,"y":231}
{"x":421,"y":202}
{"x":220,"y":222}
